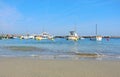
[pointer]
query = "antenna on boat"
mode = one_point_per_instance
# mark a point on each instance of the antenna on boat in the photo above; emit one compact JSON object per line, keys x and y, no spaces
{"x":75,"y":29}
{"x":43,"y":29}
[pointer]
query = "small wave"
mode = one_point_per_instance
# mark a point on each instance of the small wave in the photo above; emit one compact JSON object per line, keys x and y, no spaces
{"x":24,"y":48}
{"x":8,"y":56}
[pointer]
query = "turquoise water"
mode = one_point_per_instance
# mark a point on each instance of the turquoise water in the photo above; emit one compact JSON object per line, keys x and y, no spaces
{"x":60,"y":48}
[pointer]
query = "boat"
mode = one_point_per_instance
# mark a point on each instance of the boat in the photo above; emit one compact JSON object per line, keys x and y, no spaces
{"x":24,"y":37}
{"x":27,"y":36}
{"x":73,"y":36}
{"x":81,"y":38}
{"x":97,"y":37}
{"x":0,"y":38}
{"x":38,"y":38}
{"x":44,"y":36}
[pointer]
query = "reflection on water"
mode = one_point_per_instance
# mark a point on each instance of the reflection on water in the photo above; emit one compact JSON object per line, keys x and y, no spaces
{"x":74,"y":48}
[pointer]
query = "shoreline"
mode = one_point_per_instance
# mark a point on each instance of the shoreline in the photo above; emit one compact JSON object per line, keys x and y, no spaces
{"x":26,"y":67}
{"x":79,"y":57}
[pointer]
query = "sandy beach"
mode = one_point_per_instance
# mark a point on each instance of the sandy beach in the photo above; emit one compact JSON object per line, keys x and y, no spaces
{"x":23,"y":67}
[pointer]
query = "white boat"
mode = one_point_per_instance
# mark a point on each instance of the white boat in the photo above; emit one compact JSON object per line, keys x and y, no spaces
{"x":97,"y":37}
{"x":27,"y":37}
{"x":44,"y":36}
{"x":73,"y":36}
{"x":38,"y":38}
{"x":31,"y":37}
{"x":24,"y":37}
{"x":81,"y":38}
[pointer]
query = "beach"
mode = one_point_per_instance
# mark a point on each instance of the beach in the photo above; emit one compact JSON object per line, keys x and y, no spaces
{"x":27,"y":67}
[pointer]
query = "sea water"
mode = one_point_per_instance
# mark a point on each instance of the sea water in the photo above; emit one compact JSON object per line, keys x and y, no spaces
{"x":60,"y":48}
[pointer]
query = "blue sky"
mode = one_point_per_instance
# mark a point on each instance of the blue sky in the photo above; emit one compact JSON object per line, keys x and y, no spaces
{"x":58,"y":17}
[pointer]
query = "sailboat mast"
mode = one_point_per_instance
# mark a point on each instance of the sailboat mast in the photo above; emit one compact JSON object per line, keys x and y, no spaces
{"x":96,"y":29}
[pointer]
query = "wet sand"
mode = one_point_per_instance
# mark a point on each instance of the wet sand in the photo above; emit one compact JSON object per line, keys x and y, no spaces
{"x":24,"y":67}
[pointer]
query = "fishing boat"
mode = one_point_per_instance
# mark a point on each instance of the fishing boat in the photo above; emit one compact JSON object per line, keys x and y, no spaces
{"x":73,"y":36}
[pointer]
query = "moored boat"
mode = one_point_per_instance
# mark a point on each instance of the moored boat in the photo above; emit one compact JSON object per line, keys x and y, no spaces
{"x":73,"y":36}
{"x":44,"y":36}
{"x":97,"y":37}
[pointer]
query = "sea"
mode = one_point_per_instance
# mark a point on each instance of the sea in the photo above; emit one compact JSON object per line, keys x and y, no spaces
{"x":61,"y":49}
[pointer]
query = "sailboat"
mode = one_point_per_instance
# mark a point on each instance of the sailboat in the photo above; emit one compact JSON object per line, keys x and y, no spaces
{"x":97,"y":37}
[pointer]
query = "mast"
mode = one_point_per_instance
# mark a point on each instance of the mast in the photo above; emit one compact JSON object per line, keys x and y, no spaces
{"x":96,"y":29}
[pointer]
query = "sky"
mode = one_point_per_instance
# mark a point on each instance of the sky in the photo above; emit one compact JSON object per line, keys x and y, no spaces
{"x":58,"y":17}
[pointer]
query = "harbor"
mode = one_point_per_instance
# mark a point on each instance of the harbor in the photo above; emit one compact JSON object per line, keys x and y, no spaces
{"x":60,"y":48}
{"x":30,"y":36}
{"x":59,"y":38}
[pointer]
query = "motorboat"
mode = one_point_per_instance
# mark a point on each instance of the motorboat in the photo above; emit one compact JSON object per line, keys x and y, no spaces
{"x":44,"y":36}
{"x":73,"y":36}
